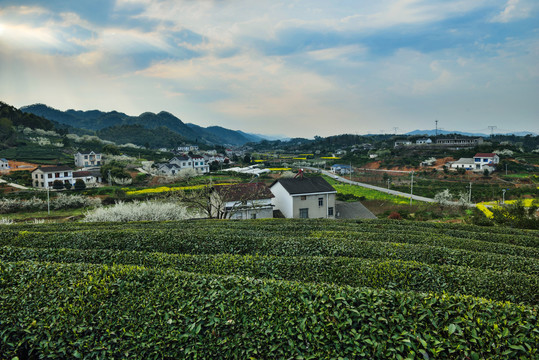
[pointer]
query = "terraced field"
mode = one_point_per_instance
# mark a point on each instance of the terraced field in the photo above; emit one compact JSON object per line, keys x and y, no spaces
{"x":268,"y":289}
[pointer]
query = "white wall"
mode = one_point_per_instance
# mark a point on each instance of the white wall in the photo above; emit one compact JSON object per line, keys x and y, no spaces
{"x":282,"y":200}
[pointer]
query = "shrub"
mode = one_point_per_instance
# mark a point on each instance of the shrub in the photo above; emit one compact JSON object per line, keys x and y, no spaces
{"x":80,"y":185}
{"x":141,"y":211}
{"x":395,"y":216}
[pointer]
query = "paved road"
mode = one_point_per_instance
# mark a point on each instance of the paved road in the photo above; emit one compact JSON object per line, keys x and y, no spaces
{"x":368,"y":186}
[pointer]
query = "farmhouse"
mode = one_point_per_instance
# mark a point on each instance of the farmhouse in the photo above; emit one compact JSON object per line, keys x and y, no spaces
{"x":44,"y":177}
{"x":460,"y":142}
{"x":89,"y":159}
{"x":423,"y":141}
{"x":242,"y":201}
{"x":341,"y":169}
{"x":402,"y":143}
{"x":465,"y":163}
{"x":185,"y":162}
{"x":304,"y":197}
{"x":90,"y":178}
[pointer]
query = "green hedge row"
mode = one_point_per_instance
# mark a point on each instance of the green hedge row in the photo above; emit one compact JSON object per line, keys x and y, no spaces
{"x":298,"y":227}
{"x":216,"y":241}
{"x":98,"y":311}
{"x":432,"y":240}
{"x":389,"y":274}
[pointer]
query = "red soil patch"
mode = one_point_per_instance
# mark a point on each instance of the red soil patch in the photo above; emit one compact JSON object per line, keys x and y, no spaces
{"x":20,"y":165}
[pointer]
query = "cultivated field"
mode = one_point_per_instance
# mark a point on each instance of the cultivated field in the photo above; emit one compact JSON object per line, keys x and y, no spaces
{"x":268,"y":289}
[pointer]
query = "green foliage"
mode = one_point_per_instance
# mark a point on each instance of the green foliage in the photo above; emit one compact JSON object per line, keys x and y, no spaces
{"x":103,"y":311}
{"x":268,"y":289}
{"x":57,"y":185}
{"x":111,"y":149}
{"x":517,"y":215}
{"x":80,"y":185}
{"x":22,"y":177}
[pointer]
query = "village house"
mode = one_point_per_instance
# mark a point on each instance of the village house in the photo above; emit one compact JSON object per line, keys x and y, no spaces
{"x":304,"y":197}
{"x":423,"y":141}
{"x":486,"y":161}
{"x":242,"y":201}
{"x":178,"y":163}
{"x":460,"y":142}
{"x":465,"y":163}
{"x":90,"y":159}
{"x":44,"y":177}
{"x":402,"y":143}
{"x":341,"y":169}
{"x":90,"y":178}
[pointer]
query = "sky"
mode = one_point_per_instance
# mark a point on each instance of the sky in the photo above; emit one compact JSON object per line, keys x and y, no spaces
{"x":295,"y":68}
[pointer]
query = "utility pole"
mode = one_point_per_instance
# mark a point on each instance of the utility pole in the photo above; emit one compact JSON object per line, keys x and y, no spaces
{"x":48,"y":202}
{"x":503,"y":195}
{"x":505,"y":169}
{"x":388,"y":183}
{"x":492,"y":127}
{"x":412,"y":188}
{"x":395,"y":129}
{"x":350,"y":171}
{"x":436,"y":121}
{"x":470,"y":194}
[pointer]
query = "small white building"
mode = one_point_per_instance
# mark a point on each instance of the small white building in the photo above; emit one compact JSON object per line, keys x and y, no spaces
{"x":242,"y":201}
{"x":90,"y":178}
{"x":402,"y":143}
{"x":486,"y":161}
{"x":44,"y":177}
{"x":178,"y":163}
{"x":90,"y":159}
{"x":4,"y":164}
{"x":465,"y":163}
{"x":341,"y":169}
{"x":423,"y":141}
{"x":304,"y":197}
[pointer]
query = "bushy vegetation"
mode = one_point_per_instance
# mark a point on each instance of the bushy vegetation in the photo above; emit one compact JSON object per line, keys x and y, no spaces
{"x":268,"y":289}
{"x":60,"y":201}
{"x":141,"y":211}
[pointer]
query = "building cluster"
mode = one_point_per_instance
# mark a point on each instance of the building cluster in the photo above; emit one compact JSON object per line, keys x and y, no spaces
{"x":479,"y":163}
{"x":453,"y":143}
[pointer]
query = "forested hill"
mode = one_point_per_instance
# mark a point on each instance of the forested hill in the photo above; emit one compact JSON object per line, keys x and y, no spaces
{"x":18,"y":117}
{"x":100,"y":121}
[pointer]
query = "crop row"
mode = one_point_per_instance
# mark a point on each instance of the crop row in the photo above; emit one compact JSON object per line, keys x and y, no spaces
{"x":52,"y":310}
{"x":243,"y":243}
{"x":379,"y":273}
{"x":296,"y":227}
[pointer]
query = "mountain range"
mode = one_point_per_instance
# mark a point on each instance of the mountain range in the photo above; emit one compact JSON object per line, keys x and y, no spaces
{"x":110,"y":124}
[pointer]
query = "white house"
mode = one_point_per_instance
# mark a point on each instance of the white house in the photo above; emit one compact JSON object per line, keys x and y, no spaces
{"x":423,"y":141}
{"x":304,"y":197}
{"x":485,"y":161}
{"x":44,"y":177}
{"x":196,"y":162}
{"x":90,"y":178}
{"x":4,"y":164}
{"x":90,"y":159}
{"x":168,"y":169}
{"x":466,"y":163}
{"x":242,"y":201}
{"x":402,"y":143}
{"x":341,"y":169}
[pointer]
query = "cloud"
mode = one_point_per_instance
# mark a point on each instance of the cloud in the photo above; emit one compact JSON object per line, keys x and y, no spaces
{"x":514,"y":10}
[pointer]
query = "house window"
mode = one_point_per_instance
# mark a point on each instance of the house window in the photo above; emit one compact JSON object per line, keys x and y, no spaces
{"x":330,"y":211}
{"x":85,"y":157}
{"x":66,"y":174}
{"x":253,"y":216}
{"x":42,"y":175}
{"x":477,"y":160}
{"x":57,"y":175}
{"x":304,"y":197}
{"x":320,"y":201}
{"x":48,"y":175}
{"x":304,"y":213}
{"x":485,"y":160}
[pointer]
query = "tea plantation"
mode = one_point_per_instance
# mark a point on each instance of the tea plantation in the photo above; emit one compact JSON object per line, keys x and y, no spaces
{"x":293,"y":289}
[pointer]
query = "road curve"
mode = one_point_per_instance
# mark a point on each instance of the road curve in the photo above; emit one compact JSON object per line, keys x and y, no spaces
{"x":368,"y":186}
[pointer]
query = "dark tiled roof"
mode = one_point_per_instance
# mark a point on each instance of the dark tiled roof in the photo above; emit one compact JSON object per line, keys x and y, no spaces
{"x":49,"y":169}
{"x":242,"y":192}
{"x":81,"y":173}
{"x":305,"y":185}
{"x":484,"y":155}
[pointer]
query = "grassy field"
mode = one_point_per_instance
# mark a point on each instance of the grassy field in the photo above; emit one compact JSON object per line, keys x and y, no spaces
{"x":273,"y":288}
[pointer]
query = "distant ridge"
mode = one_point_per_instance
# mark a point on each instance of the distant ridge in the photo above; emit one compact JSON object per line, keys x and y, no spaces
{"x":101,"y":121}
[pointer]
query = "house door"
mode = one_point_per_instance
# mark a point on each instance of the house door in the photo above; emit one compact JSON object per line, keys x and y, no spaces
{"x":304,"y":213}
